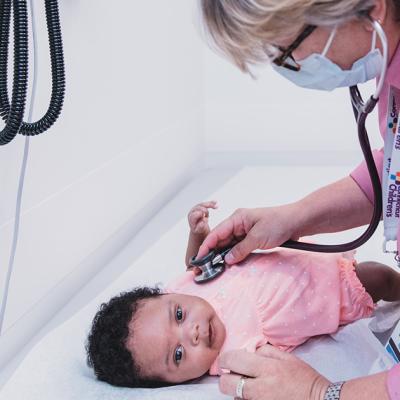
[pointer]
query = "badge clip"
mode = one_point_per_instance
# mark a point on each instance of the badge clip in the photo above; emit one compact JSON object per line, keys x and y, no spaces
{"x":385,"y":250}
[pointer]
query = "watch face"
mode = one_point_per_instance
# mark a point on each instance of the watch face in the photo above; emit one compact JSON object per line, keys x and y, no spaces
{"x":333,"y":392}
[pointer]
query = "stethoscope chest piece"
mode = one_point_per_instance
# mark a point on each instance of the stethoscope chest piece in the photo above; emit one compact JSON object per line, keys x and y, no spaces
{"x":212,"y":265}
{"x":209,"y":273}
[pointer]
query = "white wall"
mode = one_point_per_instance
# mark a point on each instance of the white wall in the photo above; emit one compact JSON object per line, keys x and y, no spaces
{"x":271,"y":114}
{"x":130,"y":135}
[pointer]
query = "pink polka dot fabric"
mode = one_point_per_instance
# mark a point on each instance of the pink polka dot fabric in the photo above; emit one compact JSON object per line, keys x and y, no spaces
{"x":282,"y":297}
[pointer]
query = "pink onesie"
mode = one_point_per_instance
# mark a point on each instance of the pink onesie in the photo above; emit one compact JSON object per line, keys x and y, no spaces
{"x":282,"y":297}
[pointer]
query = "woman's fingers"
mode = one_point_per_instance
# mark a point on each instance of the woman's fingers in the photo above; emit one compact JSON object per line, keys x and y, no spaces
{"x":260,"y":370}
{"x":241,"y":250}
{"x":253,"y":388}
{"x":272,"y":352}
{"x":240,"y":362}
{"x":222,"y":233}
{"x":222,"y":236}
{"x":229,"y":382}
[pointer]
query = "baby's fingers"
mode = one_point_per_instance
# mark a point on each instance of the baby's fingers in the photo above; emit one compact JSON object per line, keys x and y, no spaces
{"x":202,"y":210}
{"x":203,"y":207}
{"x":209,"y":204}
{"x":195,"y":217}
{"x":201,"y":227}
{"x":197,"y":214}
{"x":195,"y":270}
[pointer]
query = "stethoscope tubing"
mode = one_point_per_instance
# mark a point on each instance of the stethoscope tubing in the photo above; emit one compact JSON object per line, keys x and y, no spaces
{"x":361,"y":112}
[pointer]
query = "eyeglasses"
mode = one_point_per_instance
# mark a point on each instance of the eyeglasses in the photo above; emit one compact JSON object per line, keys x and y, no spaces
{"x":286,"y":59}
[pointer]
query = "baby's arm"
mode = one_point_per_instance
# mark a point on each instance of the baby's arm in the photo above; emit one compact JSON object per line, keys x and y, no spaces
{"x":194,"y":242}
{"x":379,"y":280}
{"x":199,"y":228}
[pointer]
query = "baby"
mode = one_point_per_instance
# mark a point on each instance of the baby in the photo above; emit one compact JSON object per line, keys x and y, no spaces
{"x":150,"y":338}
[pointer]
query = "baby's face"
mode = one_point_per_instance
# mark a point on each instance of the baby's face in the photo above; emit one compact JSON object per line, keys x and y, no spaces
{"x":175,"y":337}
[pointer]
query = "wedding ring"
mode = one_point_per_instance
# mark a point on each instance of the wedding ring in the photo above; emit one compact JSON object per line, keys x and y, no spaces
{"x":239,"y":387}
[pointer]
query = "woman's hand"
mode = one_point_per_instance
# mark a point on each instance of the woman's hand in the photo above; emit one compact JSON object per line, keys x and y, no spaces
{"x":270,"y":374}
{"x":251,"y":229}
{"x":198,"y":217}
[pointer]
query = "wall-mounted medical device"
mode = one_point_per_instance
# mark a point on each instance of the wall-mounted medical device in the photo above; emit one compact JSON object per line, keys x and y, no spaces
{"x":13,"y":113}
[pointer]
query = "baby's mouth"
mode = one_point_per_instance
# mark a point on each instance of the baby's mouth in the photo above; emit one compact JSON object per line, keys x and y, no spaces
{"x":210,"y":332}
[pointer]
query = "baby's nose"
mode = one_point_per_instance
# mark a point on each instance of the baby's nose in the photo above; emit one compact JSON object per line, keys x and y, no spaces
{"x":194,"y":334}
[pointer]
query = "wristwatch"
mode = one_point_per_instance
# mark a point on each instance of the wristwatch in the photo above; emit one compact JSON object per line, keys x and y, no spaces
{"x":333,"y":391}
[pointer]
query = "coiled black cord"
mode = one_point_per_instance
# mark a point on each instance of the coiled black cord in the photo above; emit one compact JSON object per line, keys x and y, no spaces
{"x":57,"y":70}
{"x":13,"y":114}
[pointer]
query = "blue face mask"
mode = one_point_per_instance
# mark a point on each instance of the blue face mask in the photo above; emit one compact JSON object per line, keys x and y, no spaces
{"x":319,"y":72}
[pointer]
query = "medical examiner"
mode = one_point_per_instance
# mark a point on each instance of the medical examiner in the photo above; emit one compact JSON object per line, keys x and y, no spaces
{"x":332,"y":43}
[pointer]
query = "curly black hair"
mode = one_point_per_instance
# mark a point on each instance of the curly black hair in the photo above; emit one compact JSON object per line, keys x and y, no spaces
{"x":106,"y":351}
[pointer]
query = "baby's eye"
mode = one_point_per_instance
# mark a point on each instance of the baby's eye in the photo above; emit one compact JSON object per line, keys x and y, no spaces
{"x":178,"y":354}
{"x":179,"y":314}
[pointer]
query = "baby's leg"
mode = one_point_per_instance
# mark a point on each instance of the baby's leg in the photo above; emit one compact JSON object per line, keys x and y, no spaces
{"x":380,"y":281}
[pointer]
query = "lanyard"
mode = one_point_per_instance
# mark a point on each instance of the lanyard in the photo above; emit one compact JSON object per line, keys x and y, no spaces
{"x":391,"y":173}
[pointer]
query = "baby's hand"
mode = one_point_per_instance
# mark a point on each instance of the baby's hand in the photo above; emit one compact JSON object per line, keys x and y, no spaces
{"x":198,"y":217}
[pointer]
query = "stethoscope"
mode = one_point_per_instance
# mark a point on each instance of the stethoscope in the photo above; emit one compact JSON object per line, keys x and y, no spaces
{"x":213,"y":265}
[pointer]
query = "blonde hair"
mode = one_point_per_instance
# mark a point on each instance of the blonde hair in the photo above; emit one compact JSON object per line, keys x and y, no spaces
{"x":245,"y":30}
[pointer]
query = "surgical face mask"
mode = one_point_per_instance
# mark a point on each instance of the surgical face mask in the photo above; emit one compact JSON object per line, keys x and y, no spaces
{"x":319,"y":72}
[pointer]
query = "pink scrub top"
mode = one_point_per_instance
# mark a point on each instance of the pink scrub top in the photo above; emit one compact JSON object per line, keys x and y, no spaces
{"x":361,"y":176}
